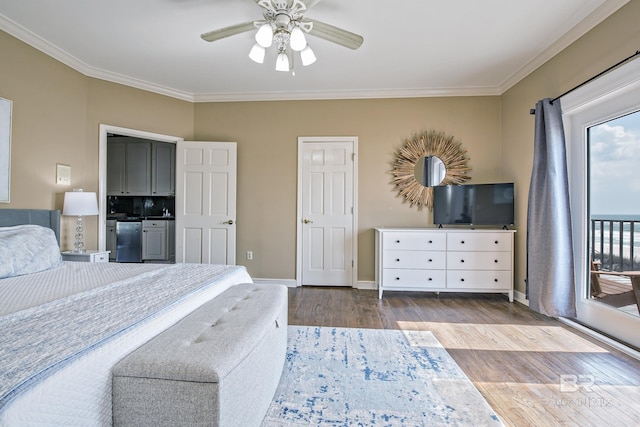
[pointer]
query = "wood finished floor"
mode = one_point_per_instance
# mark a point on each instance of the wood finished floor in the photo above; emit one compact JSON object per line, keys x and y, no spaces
{"x":514,"y":356}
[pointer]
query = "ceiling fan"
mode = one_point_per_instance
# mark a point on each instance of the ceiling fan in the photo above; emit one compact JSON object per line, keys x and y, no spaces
{"x":285,"y":26}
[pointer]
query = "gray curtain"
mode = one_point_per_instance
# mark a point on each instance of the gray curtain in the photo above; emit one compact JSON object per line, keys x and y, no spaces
{"x":550,"y":279}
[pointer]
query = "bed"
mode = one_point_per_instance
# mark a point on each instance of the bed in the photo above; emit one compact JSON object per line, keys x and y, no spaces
{"x":64,"y":325}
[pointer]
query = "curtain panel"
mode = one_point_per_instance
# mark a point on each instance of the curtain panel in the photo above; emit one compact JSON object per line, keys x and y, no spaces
{"x":550,"y":270}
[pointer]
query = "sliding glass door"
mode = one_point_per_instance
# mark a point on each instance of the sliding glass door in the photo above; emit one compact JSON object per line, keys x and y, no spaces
{"x":602,"y":126}
{"x":613,"y":184}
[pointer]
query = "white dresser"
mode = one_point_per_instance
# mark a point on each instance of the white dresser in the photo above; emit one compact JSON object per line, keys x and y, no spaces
{"x":444,"y":260}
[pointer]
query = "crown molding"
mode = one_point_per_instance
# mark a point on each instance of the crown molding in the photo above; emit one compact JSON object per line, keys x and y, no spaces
{"x":594,"y":18}
{"x":351,"y":94}
{"x":598,"y":15}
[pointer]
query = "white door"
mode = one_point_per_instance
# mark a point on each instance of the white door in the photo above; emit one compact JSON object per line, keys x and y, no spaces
{"x":326,"y":211}
{"x":206,"y":202}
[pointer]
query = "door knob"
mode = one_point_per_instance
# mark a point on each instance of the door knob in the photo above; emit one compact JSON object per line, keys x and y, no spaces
{"x":307,"y":221}
{"x":230,"y":222}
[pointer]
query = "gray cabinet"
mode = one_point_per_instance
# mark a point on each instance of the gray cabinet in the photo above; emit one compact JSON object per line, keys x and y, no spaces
{"x":111,"y":239}
{"x":163,"y":169}
{"x":158,"y":240}
{"x":116,"y":168}
{"x":128,"y":167}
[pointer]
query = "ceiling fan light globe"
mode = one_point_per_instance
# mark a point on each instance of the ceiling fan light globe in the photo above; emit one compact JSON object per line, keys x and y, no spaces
{"x":264,"y":35}
{"x":257,"y":53}
{"x":307,"y":56}
{"x":297,"y":41}
{"x":282,"y":62}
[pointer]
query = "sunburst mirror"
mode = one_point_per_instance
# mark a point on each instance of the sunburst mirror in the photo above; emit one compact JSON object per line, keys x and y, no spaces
{"x":428,"y":159}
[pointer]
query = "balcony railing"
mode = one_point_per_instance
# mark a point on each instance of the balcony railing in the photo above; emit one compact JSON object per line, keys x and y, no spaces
{"x":613,"y":243}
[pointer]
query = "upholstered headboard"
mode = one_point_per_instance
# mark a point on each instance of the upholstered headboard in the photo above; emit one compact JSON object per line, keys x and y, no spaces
{"x":43,"y":217}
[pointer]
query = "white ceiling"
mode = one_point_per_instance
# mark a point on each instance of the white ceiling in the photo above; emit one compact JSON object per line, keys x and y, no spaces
{"x":411,"y":47}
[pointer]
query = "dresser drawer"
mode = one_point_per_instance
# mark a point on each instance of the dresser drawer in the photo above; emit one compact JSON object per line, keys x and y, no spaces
{"x":479,"y":280}
{"x":479,"y":260}
{"x":410,"y":278}
{"x":479,"y":241}
{"x":415,"y":260}
{"x":414,"y":241}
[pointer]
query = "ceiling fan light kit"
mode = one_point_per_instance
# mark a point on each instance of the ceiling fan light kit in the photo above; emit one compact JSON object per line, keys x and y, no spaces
{"x":283,"y":26}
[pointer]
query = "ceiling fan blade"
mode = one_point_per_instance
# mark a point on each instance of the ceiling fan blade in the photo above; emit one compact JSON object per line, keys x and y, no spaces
{"x":228,"y":31}
{"x":310,"y":3}
{"x":336,"y":35}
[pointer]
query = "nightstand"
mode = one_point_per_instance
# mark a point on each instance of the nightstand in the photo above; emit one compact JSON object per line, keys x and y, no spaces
{"x":86,"y":256}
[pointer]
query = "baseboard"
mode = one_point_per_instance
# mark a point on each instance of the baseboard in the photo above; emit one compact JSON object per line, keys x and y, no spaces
{"x":366,"y":285}
{"x":600,"y":337}
{"x":289,"y":283}
{"x":521,"y":298}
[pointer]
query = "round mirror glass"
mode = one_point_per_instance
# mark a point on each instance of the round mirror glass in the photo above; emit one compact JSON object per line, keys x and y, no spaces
{"x":429,"y":171}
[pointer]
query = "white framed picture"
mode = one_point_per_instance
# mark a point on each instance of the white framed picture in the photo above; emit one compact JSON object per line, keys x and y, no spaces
{"x":5,"y":149}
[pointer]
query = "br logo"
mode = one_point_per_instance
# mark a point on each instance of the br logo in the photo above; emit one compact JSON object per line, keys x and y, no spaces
{"x":571,"y":383}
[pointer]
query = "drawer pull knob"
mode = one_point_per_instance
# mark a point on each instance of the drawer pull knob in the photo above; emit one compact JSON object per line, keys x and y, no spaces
{"x":430,"y":241}
{"x":461,"y":260}
{"x":462,"y":242}
{"x":430,"y":279}
{"x":430,"y":260}
{"x":462,"y":280}
{"x":397,"y":278}
{"x":496,"y":261}
{"x":496,"y":242}
{"x":397,"y":259}
{"x":495,"y":280}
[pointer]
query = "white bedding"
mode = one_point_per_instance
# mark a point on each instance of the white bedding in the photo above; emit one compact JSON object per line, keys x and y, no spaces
{"x":80,"y":392}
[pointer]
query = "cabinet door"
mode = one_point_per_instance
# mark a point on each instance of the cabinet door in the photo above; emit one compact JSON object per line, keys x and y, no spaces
{"x":111,"y":241}
{"x":138,"y":168}
{"x":116,"y":168}
{"x":163,"y":174}
{"x":154,"y":245}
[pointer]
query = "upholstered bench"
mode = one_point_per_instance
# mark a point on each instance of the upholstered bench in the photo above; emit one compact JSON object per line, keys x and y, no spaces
{"x":219,"y":366}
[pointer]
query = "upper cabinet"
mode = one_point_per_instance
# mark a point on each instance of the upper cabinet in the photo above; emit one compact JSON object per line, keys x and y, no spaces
{"x":163,"y":169}
{"x":138,"y":167}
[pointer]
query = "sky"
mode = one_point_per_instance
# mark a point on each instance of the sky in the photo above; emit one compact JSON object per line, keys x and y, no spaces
{"x":615,"y":166}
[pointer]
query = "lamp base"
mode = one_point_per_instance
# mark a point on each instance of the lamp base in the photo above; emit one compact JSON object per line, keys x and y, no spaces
{"x":78,"y":245}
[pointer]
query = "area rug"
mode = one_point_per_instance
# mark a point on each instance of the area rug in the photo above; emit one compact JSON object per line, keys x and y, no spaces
{"x":371,"y":377}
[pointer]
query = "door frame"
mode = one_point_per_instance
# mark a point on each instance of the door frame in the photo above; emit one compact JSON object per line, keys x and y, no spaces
{"x":299,"y":230}
{"x":102,"y":169}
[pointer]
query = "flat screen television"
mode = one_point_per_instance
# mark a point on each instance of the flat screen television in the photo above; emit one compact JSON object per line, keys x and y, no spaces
{"x":474,"y":204}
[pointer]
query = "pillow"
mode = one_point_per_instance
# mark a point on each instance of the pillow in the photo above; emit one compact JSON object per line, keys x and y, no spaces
{"x":26,"y":249}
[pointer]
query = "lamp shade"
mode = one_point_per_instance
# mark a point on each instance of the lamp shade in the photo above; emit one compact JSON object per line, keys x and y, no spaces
{"x":282,"y":62}
{"x":297,"y":40}
{"x":80,"y":203}
{"x":307,"y":56}
{"x":264,"y":36}
{"x":257,"y":53}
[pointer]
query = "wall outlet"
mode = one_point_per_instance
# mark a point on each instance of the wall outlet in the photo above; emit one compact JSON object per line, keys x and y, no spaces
{"x":249,"y":254}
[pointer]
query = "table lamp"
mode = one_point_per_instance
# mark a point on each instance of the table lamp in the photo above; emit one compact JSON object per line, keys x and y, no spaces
{"x":79,"y":203}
